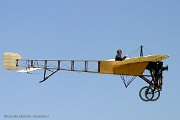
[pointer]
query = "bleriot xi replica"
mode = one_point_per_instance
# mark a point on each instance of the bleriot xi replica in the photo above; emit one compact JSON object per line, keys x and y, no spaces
{"x":149,"y":68}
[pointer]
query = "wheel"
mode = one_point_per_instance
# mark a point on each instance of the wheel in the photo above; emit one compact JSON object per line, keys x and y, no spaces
{"x":149,"y":93}
{"x":146,"y":93}
{"x":156,"y":94}
{"x":152,"y":94}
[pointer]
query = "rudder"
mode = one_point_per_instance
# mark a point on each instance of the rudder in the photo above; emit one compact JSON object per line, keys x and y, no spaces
{"x":10,"y":60}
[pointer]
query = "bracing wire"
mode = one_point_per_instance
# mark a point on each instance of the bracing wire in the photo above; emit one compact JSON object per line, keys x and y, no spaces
{"x":127,"y":80}
{"x":147,"y":51}
{"x":136,"y":52}
{"x":133,"y":52}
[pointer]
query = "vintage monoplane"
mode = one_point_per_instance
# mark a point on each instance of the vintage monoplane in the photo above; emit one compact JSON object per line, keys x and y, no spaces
{"x":130,"y":67}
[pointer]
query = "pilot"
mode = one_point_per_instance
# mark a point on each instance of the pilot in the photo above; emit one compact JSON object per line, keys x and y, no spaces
{"x":118,"y":56}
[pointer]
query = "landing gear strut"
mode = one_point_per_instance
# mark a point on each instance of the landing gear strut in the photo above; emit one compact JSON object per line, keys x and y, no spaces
{"x":152,"y":92}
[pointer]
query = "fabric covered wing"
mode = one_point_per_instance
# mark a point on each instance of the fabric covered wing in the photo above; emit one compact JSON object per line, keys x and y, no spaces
{"x":150,"y":58}
{"x":131,"y":66}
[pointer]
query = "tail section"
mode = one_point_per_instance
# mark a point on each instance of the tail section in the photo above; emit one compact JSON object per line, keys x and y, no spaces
{"x":10,"y":60}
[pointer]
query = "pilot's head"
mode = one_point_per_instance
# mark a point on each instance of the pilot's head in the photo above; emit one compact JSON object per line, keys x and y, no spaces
{"x":119,"y":51}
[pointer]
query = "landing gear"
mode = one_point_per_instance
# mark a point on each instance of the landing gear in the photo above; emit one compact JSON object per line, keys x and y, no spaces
{"x":152,"y":92}
{"x":149,"y":93}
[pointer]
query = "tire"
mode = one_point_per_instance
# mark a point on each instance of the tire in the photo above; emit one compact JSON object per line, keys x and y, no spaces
{"x":149,"y":93}
{"x":156,"y":95}
{"x":145,"y":94}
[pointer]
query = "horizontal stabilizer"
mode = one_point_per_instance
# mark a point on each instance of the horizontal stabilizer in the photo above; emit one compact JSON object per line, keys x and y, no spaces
{"x":26,"y":70}
{"x":10,"y":60}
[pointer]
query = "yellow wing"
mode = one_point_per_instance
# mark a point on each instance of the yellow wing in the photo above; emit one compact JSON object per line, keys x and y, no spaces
{"x":130,"y":66}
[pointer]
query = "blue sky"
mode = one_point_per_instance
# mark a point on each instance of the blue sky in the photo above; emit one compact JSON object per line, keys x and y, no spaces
{"x":88,"y":30}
